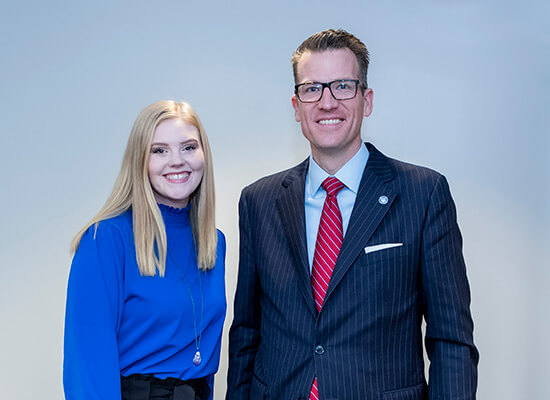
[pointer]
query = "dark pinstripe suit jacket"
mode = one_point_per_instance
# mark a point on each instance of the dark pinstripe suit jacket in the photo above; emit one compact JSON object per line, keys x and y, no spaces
{"x":366,"y":342}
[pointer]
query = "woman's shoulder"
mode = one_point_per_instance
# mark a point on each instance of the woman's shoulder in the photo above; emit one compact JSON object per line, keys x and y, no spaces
{"x":116,"y":226}
{"x":104,"y":247}
{"x":221,"y":251}
{"x":221,"y":236}
{"x":122,"y":221}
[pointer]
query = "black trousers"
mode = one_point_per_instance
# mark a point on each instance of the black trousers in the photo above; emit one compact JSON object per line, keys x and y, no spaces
{"x":147,"y":387}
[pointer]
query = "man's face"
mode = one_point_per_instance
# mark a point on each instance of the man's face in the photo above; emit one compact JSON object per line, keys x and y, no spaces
{"x":332,"y":127}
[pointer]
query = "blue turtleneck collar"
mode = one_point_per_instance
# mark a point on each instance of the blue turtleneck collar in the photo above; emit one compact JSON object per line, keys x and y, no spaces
{"x":174,"y":216}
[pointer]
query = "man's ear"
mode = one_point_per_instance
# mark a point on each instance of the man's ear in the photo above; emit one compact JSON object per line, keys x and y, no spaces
{"x":368,"y":96}
{"x":296,"y":108}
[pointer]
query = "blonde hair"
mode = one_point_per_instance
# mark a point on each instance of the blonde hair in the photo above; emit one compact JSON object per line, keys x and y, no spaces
{"x":133,"y":190}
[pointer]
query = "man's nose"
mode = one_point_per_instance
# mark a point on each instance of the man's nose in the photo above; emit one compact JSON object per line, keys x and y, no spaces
{"x":327,"y":101}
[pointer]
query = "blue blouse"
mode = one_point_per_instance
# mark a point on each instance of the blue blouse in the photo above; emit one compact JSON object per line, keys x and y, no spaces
{"x":118,"y":322}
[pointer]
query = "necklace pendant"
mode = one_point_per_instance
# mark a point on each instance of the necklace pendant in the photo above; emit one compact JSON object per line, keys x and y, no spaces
{"x":197,"y":359}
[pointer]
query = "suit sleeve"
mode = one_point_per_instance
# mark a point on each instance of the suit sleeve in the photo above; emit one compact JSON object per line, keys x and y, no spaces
{"x":449,"y":327}
{"x":244,"y":335}
{"x":91,"y":363}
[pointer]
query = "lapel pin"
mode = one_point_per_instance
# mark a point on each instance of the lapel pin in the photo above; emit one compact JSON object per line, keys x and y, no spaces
{"x":383,"y":200}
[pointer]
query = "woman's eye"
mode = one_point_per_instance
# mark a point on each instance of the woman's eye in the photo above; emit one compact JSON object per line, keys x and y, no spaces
{"x":189,"y":147}
{"x":158,"y":150}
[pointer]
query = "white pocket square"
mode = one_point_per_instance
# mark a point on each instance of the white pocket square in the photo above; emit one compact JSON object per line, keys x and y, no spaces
{"x":377,"y":247}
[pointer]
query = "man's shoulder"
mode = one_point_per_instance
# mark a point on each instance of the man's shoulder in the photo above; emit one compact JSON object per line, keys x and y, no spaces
{"x":402,"y":170}
{"x":269,"y":184}
{"x":409,"y":170}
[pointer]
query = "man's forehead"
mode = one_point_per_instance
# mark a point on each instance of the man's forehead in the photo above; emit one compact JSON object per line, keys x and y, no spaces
{"x":339,"y":63}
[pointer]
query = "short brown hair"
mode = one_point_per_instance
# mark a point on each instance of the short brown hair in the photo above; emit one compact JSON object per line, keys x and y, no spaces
{"x":330,"y":40}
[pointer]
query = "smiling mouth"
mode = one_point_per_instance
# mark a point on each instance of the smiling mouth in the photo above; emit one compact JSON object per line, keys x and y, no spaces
{"x":332,"y":121}
{"x":177,"y":177}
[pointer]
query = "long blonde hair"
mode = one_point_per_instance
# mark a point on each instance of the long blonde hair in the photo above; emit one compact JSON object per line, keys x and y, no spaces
{"x":133,"y":190}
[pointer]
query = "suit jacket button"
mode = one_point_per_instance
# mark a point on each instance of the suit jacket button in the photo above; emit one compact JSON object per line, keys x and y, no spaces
{"x":319,"y":349}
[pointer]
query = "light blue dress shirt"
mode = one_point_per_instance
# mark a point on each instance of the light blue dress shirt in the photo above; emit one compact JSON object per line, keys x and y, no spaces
{"x":350,"y":175}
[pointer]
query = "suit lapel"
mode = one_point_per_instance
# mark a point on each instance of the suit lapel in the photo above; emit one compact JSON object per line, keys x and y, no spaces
{"x":369,"y":209}
{"x":290,"y":205}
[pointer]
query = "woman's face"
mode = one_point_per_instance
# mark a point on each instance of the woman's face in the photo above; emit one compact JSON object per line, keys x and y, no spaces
{"x":176,"y":162}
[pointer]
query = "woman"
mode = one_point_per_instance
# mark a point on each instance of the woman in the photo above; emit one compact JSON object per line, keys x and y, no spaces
{"x":146,"y":294}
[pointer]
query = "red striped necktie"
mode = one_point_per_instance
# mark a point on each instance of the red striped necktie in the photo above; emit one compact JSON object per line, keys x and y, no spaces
{"x":327,"y":247}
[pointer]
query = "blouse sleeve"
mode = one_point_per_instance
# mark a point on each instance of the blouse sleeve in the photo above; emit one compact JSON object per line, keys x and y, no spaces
{"x":94,"y":298}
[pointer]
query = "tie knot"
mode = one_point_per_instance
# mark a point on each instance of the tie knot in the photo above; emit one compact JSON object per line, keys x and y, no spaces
{"x":332,"y":185}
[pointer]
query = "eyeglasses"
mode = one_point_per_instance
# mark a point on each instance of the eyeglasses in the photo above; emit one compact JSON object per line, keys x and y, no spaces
{"x":311,"y":92}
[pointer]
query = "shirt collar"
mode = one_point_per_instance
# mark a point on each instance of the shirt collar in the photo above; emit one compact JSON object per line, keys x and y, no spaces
{"x":350,"y":174}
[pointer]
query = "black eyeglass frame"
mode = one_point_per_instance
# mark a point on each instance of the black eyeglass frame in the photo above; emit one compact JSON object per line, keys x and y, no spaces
{"x":327,"y":85}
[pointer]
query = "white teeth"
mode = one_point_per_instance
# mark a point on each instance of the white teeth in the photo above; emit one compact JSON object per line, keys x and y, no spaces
{"x":178,"y":176}
{"x":330,"y":121}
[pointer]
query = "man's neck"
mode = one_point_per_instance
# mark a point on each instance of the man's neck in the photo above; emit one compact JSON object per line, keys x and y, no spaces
{"x":331,"y":162}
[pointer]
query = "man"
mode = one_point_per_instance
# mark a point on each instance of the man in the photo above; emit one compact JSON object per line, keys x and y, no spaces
{"x":343,"y":255}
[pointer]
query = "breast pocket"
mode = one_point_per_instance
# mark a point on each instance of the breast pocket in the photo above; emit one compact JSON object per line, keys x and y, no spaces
{"x":388,"y":280}
{"x":377,"y":253}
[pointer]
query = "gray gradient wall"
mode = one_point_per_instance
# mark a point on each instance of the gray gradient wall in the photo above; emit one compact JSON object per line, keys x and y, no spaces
{"x":460,"y":86}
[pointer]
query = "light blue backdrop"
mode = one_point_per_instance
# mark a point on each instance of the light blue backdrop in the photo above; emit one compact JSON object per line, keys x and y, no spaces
{"x":460,"y":86}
